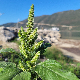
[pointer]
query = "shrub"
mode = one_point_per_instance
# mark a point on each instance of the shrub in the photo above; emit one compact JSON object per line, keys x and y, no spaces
{"x":11,"y":54}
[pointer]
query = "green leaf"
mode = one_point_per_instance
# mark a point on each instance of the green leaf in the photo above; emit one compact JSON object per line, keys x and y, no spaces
{"x":1,"y":69}
{"x":9,"y":73}
{"x":8,"y":70}
{"x":23,"y":76}
{"x":51,"y":70}
{"x":7,"y":50}
{"x":4,"y":64}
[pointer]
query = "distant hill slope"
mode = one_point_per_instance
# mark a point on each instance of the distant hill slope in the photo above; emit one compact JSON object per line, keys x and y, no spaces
{"x":61,"y":18}
{"x":69,"y":18}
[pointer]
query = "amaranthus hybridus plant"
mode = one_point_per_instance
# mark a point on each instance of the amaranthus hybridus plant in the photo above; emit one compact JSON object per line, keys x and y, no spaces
{"x":28,"y":46}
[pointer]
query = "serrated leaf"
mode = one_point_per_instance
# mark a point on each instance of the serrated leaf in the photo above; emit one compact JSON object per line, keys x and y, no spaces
{"x":23,"y":76}
{"x":8,"y":73}
{"x":1,"y":69}
{"x":51,"y":70}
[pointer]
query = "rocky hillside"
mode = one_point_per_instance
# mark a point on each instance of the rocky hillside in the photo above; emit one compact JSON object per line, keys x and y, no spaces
{"x":49,"y":36}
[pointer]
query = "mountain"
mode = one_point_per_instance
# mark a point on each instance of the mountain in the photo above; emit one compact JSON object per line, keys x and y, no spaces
{"x":69,"y":18}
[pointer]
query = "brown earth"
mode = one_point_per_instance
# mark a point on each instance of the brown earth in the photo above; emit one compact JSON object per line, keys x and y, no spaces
{"x":70,"y":48}
{"x":9,"y":45}
{"x":73,"y":50}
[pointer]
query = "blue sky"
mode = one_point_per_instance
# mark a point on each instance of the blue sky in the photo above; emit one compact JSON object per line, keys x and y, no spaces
{"x":18,"y":10}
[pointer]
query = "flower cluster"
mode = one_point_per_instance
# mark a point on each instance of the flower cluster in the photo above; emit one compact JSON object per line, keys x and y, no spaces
{"x":28,"y":45}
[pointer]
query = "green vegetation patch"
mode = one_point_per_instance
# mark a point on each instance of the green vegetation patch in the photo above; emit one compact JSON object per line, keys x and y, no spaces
{"x":67,"y":64}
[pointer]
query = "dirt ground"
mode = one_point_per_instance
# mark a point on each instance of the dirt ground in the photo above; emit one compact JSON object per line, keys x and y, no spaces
{"x":9,"y":45}
{"x":70,"y":48}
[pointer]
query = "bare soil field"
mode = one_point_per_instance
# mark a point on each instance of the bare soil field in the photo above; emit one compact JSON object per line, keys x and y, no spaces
{"x":70,"y":48}
{"x":69,"y":43}
{"x":73,"y":50}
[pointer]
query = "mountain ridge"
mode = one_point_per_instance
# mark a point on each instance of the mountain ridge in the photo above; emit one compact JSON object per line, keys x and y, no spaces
{"x":69,"y":18}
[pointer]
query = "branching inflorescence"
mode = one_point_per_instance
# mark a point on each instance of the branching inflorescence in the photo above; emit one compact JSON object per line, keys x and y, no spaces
{"x":28,"y":45}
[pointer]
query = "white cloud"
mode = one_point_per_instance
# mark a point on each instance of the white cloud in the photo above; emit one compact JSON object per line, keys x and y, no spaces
{"x":0,"y":14}
{"x":18,"y":19}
